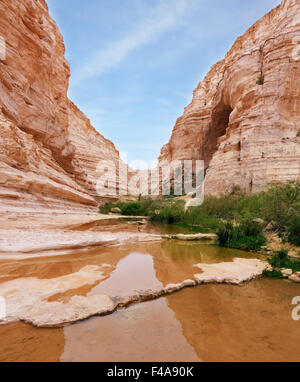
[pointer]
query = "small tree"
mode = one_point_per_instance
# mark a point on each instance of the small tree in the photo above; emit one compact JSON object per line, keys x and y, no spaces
{"x":261,"y":80}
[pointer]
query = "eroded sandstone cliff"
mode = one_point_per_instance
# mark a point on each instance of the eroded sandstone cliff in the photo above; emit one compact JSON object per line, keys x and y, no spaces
{"x":48,"y":149}
{"x":247,"y":133}
{"x":244,"y":119}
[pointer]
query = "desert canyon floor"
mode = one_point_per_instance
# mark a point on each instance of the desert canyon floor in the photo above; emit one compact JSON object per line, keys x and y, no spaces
{"x":82,"y":286}
{"x":111,"y":289}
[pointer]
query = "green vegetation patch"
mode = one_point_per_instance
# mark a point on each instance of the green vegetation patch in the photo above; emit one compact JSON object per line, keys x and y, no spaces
{"x":194,"y":228}
{"x":248,"y":236}
{"x":294,"y":231}
{"x":282,"y":260}
{"x":230,"y":215}
{"x":275,"y":274}
{"x":105,"y":208}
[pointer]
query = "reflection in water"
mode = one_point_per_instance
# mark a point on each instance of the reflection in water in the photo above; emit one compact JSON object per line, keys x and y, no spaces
{"x":143,"y":332}
{"x":191,"y":252}
{"x":250,"y":322}
{"x":210,"y":322}
{"x":133,"y":272}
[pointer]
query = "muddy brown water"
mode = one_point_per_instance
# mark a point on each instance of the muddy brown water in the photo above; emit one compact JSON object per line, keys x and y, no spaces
{"x":250,"y":322}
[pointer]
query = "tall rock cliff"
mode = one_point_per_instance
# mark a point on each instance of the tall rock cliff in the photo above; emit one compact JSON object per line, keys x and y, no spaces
{"x":48,"y":149}
{"x":244,"y":119}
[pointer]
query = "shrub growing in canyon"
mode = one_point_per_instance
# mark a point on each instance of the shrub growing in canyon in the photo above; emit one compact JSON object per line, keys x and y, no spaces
{"x":280,"y":204}
{"x":105,"y":208}
{"x":131,"y":209}
{"x":282,"y":260}
{"x":200,"y":218}
{"x":273,"y":274}
{"x":170,"y":214}
{"x":261,"y":80}
{"x":248,"y":236}
{"x":294,"y":230}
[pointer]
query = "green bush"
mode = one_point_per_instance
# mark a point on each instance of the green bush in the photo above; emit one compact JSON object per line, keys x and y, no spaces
{"x":164,"y":210}
{"x":105,"y":208}
{"x":294,"y":230}
{"x":131,"y":209}
{"x":280,"y":204}
{"x":247,"y":235}
{"x":225,"y":234}
{"x":273,"y":274}
{"x":169,"y":214}
{"x":261,"y":80}
{"x":200,"y":217}
{"x":282,"y":260}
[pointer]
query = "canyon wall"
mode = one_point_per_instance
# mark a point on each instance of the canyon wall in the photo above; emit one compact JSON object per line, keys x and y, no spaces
{"x":48,"y":149}
{"x":247,"y":133}
{"x":244,"y":119}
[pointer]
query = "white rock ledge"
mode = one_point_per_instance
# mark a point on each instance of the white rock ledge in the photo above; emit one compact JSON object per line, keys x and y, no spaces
{"x":30,"y":243}
{"x":27,"y":299}
{"x":52,"y":314}
{"x":191,"y":237}
{"x":236,"y":272}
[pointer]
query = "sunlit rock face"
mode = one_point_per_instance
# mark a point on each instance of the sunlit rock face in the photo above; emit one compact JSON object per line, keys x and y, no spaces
{"x":91,"y":149}
{"x":247,"y":133}
{"x":48,"y":149}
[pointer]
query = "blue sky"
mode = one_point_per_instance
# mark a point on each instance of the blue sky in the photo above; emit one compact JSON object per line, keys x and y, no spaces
{"x":135,"y":63}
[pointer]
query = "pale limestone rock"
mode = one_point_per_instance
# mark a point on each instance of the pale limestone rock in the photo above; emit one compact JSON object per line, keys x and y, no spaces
{"x":286,"y":272}
{"x":78,"y":308}
{"x":27,"y":298}
{"x":269,"y":267}
{"x":27,"y":241}
{"x":172,"y":288}
{"x":188,"y":282}
{"x":24,"y":294}
{"x":247,"y":134}
{"x":295,"y":278}
{"x":115,"y":210}
{"x":192,"y":237}
{"x":235,"y":272}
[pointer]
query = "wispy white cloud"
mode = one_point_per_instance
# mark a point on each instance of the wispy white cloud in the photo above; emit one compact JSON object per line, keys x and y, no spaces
{"x":167,"y":15}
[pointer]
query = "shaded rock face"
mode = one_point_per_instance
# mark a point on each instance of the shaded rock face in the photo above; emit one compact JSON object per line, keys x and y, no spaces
{"x":48,"y":149}
{"x":247,"y":133}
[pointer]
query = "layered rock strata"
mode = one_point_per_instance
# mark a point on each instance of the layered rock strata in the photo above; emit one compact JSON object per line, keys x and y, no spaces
{"x":48,"y":149}
{"x":244,"y":119}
